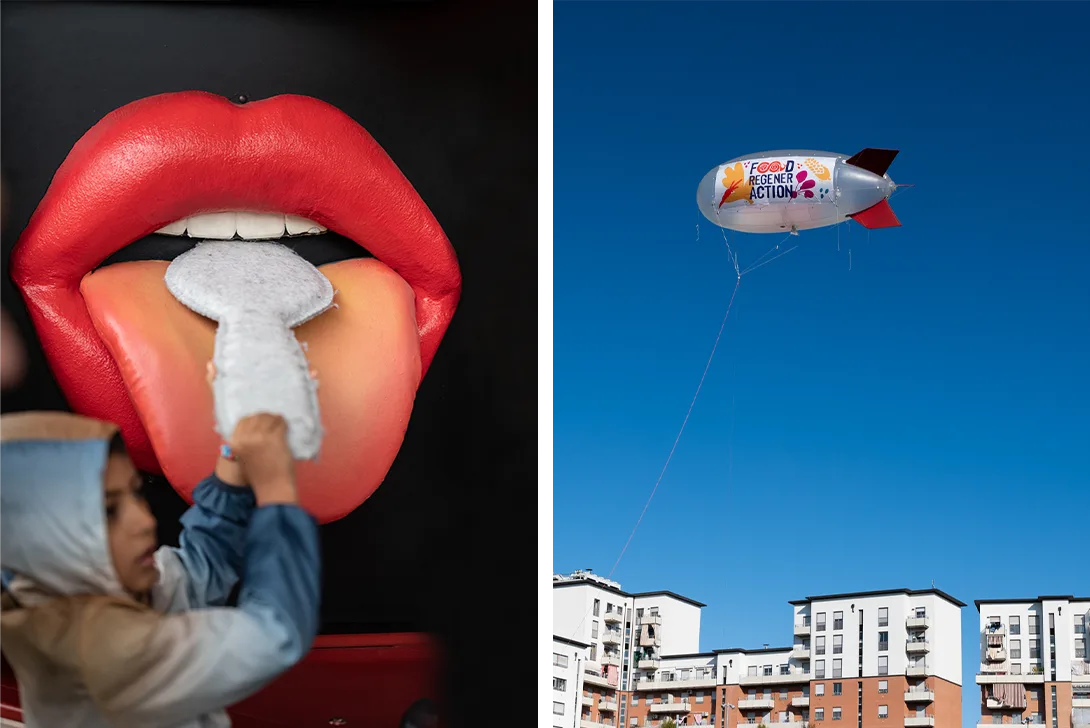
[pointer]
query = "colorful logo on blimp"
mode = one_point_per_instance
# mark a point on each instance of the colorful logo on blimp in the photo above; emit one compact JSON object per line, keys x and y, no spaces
{"x":770,"y":180}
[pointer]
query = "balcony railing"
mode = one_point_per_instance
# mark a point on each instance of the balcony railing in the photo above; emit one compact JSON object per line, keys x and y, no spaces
{"x":917,"y":670}
{"x":920,"y":695}
{"x":680,"y":706}
{"x":914,"y":622}
{"x":612,"y":637}
{"x":614,"y":616}
{"x":790,"y":676}
{"x":918,"y":721}
{"x":652,"y":619}
{"x":802,"y":627}
{"x":762,"y":703}
{"x":675,"y":683}
{"x":917,"y":646}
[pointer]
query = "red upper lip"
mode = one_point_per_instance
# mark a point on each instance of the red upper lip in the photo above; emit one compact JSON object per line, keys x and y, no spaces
{"x":170,"y":156}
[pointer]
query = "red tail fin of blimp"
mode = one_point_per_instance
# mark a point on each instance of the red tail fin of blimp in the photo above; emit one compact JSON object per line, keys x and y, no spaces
{"x":877,"y":216}
{"x":874,"y":160}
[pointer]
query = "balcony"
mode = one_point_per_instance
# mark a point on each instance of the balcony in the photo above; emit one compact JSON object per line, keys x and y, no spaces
{"x":917,"y":646}
{"x":916,"y":670}
{"x":1080,"y":702}
{"x":612,"y":637}
{"x":584,"y":723}
{"x":587,"y":700}
{"x":917,"y":623}
{"x":983,"y":679}
{"x":651,"y":641}
{"x":652,"y":619}
{"x":607,"y":705}
{"x":917,"y":721}
{"x":802,"y":701}
{"x":790,"y":677}
{"x":802,"y":628}
{"x":800,"y":652}
{"x":673,"y":707}
{"x":613,"y":617}
{"x":782,"y":723}
{"x":993,"y":704}
{"x":610,"y":658}
{"x":649,"y":663}
{"x":919,"y":696}
{"x":757,"y":704}
{"x":589,"y":678}
{"x":696,"y":683}
{"x":996,"y":654}
{"x":995,"y":628}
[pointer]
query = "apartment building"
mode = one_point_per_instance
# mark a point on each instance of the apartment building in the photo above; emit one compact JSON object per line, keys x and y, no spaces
{"x":1033,"y":661}
{"x":880,"y":658}
{"x":889,"y":657}
{"x":628,"y":633}
{"x":569,"y":658}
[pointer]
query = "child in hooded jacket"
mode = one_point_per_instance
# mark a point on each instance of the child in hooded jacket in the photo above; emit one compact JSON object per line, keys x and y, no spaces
{"x":104,"y":628}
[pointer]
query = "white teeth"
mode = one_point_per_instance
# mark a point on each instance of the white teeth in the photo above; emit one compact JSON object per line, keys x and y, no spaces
{"x":174,"y":228}
{"x":258,"y":225}
{"x":216,"y":226}
{"x":298,"y":225}
{"x":245,"y":225}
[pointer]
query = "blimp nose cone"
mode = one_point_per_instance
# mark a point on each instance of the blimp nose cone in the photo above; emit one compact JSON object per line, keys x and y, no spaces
{"x":891,"y":187}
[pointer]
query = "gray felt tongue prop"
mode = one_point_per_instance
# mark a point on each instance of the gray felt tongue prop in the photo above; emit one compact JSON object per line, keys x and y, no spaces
{"x":258,"y":292}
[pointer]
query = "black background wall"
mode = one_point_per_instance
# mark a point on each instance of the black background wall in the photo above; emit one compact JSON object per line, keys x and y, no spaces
{"x":449,"y":90}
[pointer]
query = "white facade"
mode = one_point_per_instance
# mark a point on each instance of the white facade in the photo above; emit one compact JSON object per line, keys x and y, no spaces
{"x":1022,"y":634}
{"x":594,"y":610}
{"x":568,"y":659}
{"x":680,"y":619}
{"x":922,"y":629}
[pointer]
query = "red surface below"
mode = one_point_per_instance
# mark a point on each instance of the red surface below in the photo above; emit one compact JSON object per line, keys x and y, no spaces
{"x":363,"y":680}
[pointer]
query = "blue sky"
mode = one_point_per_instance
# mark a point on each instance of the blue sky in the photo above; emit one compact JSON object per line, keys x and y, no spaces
{"x":919,"y":417}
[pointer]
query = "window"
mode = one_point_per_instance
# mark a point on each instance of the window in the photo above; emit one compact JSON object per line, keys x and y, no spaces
{"x":1080,"y":648}
{"x":560,"y":684}
{"x":883,"y":641}
{"x":1034,"y":624}
{"x":594,"y":653}
{"x":820,"y":645}
{"x":838,"y":644}
{"x":752,"y":671}
{"x":921,"y":612}
{"x":883,"y":664}
{"x":838,"y":667}
{"x":838,"y":688}
{"x":635,"y":699}
{"x":639,"y":612}
{"x":654,"y":611}
{"x":1016,"y":669}
{"x":767,"y":670}
{"x":819,"y":713}
{"x":1016,"y":649}
{"x":838,"y":621}
{"x":1034,"y":648}
{"x":836,"y":713}
{"x":785,"y":669}
{"x":819,"y":669}
{"x":700,"y":696}
{"x":597,"y":606}
{"x":819,"y":688}
{"x":1015,"y":625}
{"x":820,"y":627}
{"x":594,"y":629}
{"x":560,"y":660}
{"x":1080,"y":625}
{"x":883,"y":711}
{"x":783,"y":693}
{"x":883,"y":686}
{"x":558,"y":708}
{"x":883,"y":616}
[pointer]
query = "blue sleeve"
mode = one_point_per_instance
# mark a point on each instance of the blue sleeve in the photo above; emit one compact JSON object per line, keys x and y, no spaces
{"x":213,"y":540}
{"x":282,"y":574}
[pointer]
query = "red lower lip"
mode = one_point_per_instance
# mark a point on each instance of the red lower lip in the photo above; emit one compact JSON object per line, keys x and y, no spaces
{"x":167,"y":157}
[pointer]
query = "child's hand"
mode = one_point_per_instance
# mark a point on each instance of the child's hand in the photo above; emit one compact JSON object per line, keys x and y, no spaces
{"x":260,"y":443}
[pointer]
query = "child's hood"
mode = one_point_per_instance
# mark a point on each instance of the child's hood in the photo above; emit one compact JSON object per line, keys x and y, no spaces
{"x":52,"y":509}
